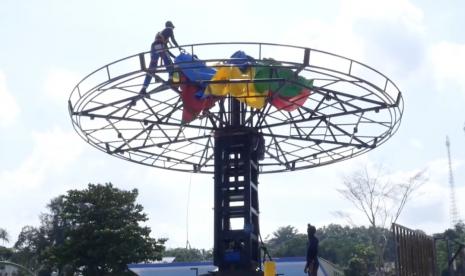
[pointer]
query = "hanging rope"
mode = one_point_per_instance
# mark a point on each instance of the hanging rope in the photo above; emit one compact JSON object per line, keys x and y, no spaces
{"x":188,"y":245}
{"x":266,"y":253}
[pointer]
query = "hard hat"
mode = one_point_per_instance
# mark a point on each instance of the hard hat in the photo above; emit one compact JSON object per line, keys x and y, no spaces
{"x":169,"y":24}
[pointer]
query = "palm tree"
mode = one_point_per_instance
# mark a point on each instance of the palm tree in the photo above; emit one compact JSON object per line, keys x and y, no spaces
{"x":4,"y":235}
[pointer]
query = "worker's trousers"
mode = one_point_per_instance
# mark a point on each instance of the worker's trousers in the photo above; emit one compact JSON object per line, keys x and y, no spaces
{"x":158,"y":50}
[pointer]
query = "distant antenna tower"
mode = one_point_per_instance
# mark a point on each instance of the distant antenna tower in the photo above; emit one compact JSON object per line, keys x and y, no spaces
{"x":454,"y":215}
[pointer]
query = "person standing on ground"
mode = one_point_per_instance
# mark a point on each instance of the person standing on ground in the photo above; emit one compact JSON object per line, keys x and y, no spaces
{"x":159,"y":49}
{"x":312,"y":264}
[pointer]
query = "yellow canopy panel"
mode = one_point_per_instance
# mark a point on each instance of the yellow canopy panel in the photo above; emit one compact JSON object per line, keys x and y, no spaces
{"x":242,"y":91}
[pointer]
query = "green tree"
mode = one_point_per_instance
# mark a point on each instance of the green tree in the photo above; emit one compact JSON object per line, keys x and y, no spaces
{"x":356,"y":267}
{"x":31,"y":249}
{"x":345,"y":246}
{"x":35,"y":245}
{"x":4,"y":235}
{"x":95,"y":231}
{"x":456,"y":237}
{"x":99,"y":231}
{"x":5,"y":253}
{"x":287,"y":242}
{"x":188,"y":254}
{"x":337,"y":243}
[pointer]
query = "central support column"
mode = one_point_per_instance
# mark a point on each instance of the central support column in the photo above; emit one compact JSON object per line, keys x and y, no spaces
{"x":236,"y":240}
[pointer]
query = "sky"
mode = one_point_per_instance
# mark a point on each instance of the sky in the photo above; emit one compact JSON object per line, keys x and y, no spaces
{"x":47,"y":46}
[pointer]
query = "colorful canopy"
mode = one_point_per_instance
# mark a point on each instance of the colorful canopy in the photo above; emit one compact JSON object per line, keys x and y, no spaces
{"x":249,"y":81}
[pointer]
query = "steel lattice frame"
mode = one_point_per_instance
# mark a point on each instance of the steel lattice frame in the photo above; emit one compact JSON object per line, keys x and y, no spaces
{"x":351,"y":110}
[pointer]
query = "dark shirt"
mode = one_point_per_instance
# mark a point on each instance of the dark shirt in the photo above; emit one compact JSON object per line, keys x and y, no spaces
{"x":312,"y":250}
{"x":167,"y":34}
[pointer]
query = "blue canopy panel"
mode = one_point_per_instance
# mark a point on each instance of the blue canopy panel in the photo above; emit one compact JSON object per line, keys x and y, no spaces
{"x":241,"y":60}
{"x":194,"y":69}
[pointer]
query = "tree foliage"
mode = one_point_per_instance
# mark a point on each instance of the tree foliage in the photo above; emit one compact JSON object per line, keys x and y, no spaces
{"x":4,"y":235}
{"x":32,"y":248}
{"x":456,"y":237}
{"x":188,"y":254}
{"x":337,"y":243}
{"x":5,"y":253}
{"x":95,"y":231}
{"x":287,"y":242}
{"x":347,"y":247}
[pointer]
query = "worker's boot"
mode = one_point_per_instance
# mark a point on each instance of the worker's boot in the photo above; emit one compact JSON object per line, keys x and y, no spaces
{"x":143,"y":92}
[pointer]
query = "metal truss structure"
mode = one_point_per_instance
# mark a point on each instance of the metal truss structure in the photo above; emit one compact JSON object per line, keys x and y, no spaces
{"x":352,"y":109}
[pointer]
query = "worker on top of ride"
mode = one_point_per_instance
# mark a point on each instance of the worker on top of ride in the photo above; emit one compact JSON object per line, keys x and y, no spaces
{"x":159,"y":48}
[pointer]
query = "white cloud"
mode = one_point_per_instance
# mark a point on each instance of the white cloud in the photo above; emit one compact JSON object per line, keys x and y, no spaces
{"x":164,"y":194}
{"x":334,"y":37}
{"x":395,"y":10}
{"x":435,"y":190}
{"x":58,"y":84}
{"x":53,"y":151}
{"x":416,"y":143}
{"x":26,"y":188}
{"x":439,"y":168}
{"x":393,"y":34}
{"x":429,"y":207}
{"x":388,"y":35}
{"x":9,"y":109}
{"x":448,"y":60}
